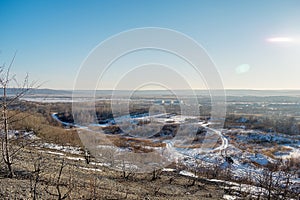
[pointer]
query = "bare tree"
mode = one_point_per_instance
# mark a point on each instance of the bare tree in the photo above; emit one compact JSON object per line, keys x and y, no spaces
{"x":127,"y":170}
{"x":39,"y":166}
{"x":7,"y":80}
{"x":156,"y":174}
{"x":62,"y":189}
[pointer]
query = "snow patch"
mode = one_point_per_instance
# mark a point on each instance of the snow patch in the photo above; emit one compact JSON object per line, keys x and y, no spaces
{"x":168,"y":170}
{"x":259,"y":158}
{"x":66,"y":149}
{"x":186,"y":173}
{"x":229,"y":197}
{"x":91,"y":169}
{"x":53,"y":152}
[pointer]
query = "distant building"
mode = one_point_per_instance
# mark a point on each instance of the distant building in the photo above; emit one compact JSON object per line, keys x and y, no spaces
{"x":175,"y":102}
{"x":159,"y":102}
{"x":167,"y":102}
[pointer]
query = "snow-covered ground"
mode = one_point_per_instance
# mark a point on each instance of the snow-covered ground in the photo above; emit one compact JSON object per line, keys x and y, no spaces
{"x":63,"y":148}
{"x":217,"y":153}
{"x":91,"y":169}
{"x":187,"y":173}
{"x":242,"y":151}
{"x":14,"y":134}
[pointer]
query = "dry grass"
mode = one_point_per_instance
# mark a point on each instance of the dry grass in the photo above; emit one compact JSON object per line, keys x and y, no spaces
{"x":269,"y":153}
{"x":90,"y":184}
{"x":43,"y":128}
{"x":137,"y":145}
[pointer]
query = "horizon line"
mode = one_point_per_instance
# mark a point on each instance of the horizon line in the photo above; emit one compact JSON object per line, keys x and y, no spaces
{"x":253,"y":89}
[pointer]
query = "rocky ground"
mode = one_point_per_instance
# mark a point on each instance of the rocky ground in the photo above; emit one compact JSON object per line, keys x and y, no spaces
{"x":36,"y":175}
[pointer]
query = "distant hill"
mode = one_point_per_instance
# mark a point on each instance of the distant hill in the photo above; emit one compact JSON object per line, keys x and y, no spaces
{"x":38,"y":92}
{"x":157,"y":93}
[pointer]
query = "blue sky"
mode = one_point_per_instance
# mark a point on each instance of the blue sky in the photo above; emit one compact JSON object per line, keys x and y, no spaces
{"x":254,"y":44}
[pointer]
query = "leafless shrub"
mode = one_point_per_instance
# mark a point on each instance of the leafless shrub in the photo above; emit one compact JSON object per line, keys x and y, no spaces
{"x":127,"y":170}
{"x":156,"y":174}
{"x":7,"y":80}
{"x":62,"y":189}
{"x":39,"y":166}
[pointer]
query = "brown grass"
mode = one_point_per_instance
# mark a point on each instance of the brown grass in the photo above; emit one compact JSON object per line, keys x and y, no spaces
{"x":104,"y":184}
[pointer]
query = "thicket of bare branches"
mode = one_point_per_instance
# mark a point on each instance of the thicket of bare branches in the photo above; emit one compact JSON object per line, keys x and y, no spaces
{"x":12,"y":90}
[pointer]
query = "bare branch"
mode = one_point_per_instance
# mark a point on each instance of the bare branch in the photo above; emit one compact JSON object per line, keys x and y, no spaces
{"x":9,"y":67}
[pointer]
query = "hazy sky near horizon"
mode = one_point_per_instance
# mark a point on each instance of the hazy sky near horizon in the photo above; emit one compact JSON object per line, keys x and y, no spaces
{"x":254,"y":44}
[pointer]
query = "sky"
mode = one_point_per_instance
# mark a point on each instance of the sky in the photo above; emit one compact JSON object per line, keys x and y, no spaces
{"x":254,"y":44}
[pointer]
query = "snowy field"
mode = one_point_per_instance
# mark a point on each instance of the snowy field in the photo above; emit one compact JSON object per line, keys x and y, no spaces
{"x":233,"y":144}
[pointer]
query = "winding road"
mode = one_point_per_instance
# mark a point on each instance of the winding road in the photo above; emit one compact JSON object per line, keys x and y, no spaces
{"x":224,"y":144}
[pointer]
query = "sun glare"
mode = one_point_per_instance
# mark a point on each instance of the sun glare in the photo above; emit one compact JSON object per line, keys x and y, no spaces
{"x":280,"y":39}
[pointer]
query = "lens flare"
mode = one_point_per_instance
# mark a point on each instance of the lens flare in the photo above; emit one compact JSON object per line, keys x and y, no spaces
{"x":280,"y":39}
{"x":241,"y":69}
